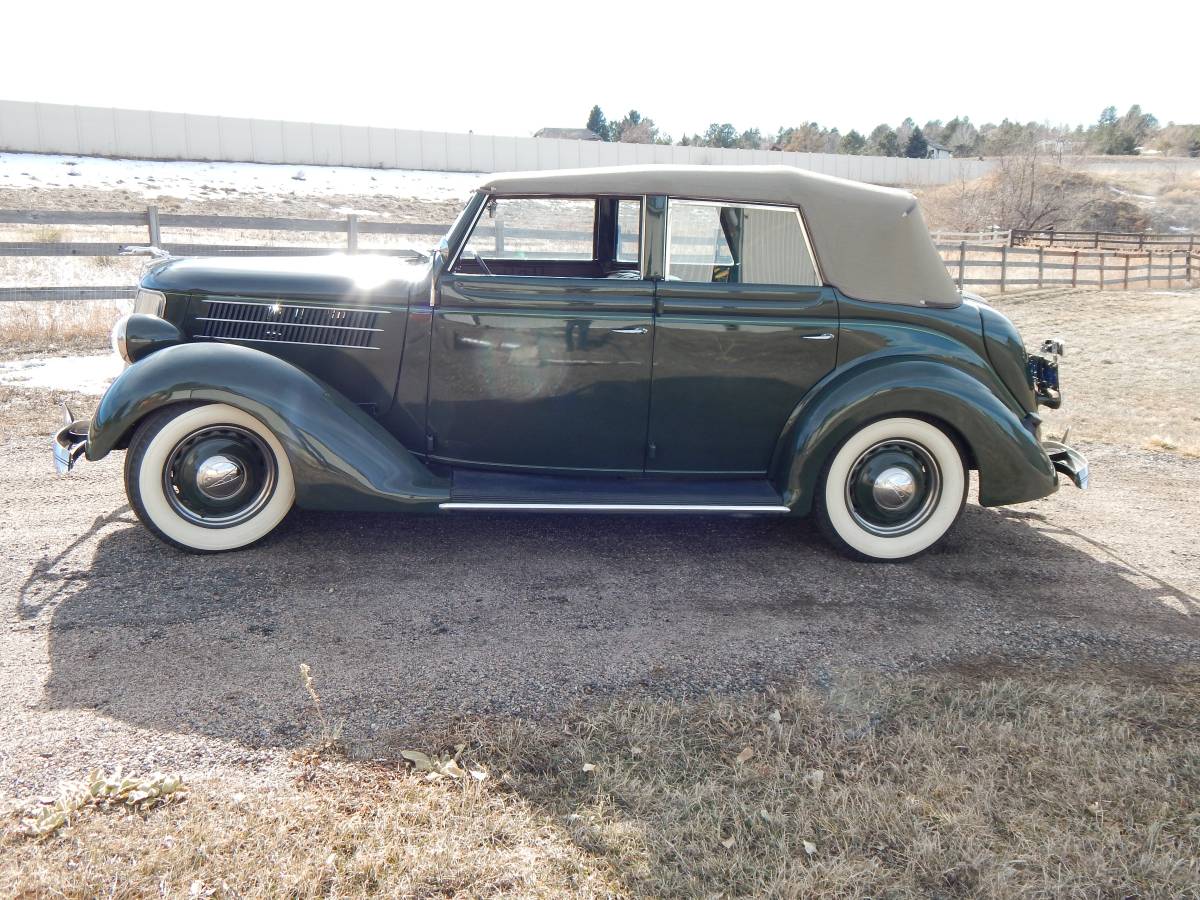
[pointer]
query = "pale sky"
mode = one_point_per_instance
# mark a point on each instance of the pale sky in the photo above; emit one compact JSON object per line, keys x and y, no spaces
{"x":512,"y":67}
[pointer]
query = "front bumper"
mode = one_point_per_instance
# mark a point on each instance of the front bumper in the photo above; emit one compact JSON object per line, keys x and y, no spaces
{"x":1068,"y":461}
{"x":70,"y":441}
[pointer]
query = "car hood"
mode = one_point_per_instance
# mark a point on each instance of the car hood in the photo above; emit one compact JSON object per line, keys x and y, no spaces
{"x":346,"y":279}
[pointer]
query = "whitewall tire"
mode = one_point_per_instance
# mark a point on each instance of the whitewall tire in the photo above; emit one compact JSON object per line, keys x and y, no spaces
{"x":892,"y":490}
{"x":207,"y":477}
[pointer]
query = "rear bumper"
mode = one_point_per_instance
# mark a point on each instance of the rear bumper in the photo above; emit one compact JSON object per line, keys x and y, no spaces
{"x":70,"y":441}
{"x":1068,"y":461}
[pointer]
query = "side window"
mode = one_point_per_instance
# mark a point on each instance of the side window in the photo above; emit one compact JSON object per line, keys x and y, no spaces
{"x":629,"y":231}
{"x":737,"y":244}
{"x":534,"y":228}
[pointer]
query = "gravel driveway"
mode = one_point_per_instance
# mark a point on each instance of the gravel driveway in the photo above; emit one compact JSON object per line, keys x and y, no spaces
{"x":115,"y":648}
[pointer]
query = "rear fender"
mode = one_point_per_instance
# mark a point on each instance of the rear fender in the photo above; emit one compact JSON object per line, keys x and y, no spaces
{"x":341,"y":458}
{"x":1012,"y":465}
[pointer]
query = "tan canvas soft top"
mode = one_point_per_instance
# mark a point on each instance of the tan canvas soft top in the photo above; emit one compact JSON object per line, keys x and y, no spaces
{"x":871,"y":242}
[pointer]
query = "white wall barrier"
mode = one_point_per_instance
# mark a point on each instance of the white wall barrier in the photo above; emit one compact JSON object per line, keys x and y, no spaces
{"x":52,"y":128}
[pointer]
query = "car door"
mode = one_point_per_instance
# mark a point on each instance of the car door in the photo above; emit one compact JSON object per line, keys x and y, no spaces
{"x":743,"y":329}
{"x":541,"y":344}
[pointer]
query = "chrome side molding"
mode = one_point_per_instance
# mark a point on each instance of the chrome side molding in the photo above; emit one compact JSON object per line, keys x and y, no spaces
{"x":610,"y":507}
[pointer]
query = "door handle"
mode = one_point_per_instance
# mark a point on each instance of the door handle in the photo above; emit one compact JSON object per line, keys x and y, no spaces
{"x":632,"y":329}
{"x":823,"y":336}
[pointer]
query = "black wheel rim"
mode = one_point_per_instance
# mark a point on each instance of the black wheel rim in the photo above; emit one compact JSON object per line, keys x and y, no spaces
{"x":219,"y":476}
{"x":893,"y":488}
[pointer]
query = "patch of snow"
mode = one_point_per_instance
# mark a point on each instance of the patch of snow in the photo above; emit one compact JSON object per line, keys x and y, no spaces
{"x":1146,"y":197}
{"x":213,"y":180}
{"x":78,"y":374}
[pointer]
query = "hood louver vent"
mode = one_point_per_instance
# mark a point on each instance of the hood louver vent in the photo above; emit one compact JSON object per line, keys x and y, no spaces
{"x":282,"y":323}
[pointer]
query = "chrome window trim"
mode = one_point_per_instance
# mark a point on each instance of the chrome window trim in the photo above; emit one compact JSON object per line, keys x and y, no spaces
{"x":772,"y":207}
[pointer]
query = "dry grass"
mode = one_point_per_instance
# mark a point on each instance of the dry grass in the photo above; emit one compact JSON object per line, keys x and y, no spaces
{"x":1130,"y":376}
{"x":933,"y":785}
{"x":1183,"y":190}
{"x":49,"y":328}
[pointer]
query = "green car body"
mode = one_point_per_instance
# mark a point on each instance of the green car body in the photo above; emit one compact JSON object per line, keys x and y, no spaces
{"x":413,"y":385}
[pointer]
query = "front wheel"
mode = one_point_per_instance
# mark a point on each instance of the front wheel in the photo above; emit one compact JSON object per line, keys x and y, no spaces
{"x":892,"y":490}
{"x":207,"y":477}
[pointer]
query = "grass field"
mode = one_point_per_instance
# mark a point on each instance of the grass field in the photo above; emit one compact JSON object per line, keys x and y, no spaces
{"x":1063,"y":785}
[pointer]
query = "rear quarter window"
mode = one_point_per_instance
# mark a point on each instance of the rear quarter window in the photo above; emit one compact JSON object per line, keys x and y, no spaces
{"x":711,"y":242}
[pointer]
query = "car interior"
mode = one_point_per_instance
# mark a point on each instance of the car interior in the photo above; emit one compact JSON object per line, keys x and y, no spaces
{"x":604,"y":244}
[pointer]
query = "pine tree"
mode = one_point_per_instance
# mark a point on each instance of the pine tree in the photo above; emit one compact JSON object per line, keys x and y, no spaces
{"x":597,"y":124}
{"x":720,"y":135}
{"x":917,"y":147}
{"x":853,"y":143}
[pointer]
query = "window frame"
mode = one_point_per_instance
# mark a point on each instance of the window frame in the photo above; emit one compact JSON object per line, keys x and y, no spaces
{"x":719,"y":203}
{"x":642,"y":199}
{"x":616,"y":249}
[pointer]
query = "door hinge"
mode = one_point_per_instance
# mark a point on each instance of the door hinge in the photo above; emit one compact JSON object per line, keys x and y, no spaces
{"x":430,"y":442}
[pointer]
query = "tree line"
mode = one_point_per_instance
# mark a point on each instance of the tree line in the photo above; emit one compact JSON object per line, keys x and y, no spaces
{"x":1112,"y":134}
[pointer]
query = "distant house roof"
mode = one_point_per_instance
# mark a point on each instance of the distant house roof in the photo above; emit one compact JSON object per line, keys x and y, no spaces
{"x":934,"y":145}
{"x":567,"y":134}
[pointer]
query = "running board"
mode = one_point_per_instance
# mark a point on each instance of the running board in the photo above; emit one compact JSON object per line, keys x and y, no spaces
{"x":484,"y":490}
{"x":612,"y":507}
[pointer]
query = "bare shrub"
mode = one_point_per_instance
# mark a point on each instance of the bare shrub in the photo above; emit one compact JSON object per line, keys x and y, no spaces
{"x":1023,"y":192}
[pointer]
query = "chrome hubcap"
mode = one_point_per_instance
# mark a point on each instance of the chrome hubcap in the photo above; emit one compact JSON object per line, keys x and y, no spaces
{"x":893,"y":488}
{"x":220,"y":477}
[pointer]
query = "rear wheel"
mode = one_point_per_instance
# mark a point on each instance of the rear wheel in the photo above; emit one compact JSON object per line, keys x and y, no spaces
{"x":892,"y":490}
{"x":207,"y":477}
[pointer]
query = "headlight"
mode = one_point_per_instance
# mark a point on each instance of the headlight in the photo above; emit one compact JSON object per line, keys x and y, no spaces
{"x":120,"y":340}
{"x":152,"y":303}
{"x":137,"y":335}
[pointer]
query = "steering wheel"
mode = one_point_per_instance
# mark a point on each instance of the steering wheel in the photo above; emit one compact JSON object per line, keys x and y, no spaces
{"x":482,"y":264}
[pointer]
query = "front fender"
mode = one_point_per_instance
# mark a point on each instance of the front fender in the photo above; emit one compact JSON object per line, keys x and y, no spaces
{"x":341,"y":458}
{"x":1012,"y":465}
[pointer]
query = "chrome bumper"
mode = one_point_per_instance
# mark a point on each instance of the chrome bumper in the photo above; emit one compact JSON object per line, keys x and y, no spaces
{"x":70,"y":442}
{"x":1068,"y":461}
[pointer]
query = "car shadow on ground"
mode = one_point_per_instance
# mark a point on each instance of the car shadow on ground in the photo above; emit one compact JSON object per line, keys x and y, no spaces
{"x":409,"y":621}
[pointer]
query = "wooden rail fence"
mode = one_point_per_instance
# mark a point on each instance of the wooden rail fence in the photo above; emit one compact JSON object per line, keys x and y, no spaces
{"x":1037,"y":267}
{"x":993,"y":236}
{"x":977,"y":259}
{"x":1107,"y":240}
{"x":154,"y":222}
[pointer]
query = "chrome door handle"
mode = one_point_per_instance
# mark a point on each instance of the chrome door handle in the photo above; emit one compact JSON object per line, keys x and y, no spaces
{"x":823,"y":336}
{"x":632,"y":329}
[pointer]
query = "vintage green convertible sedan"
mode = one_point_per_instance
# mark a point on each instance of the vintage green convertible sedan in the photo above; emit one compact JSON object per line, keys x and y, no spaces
{"x":661,"y":339}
